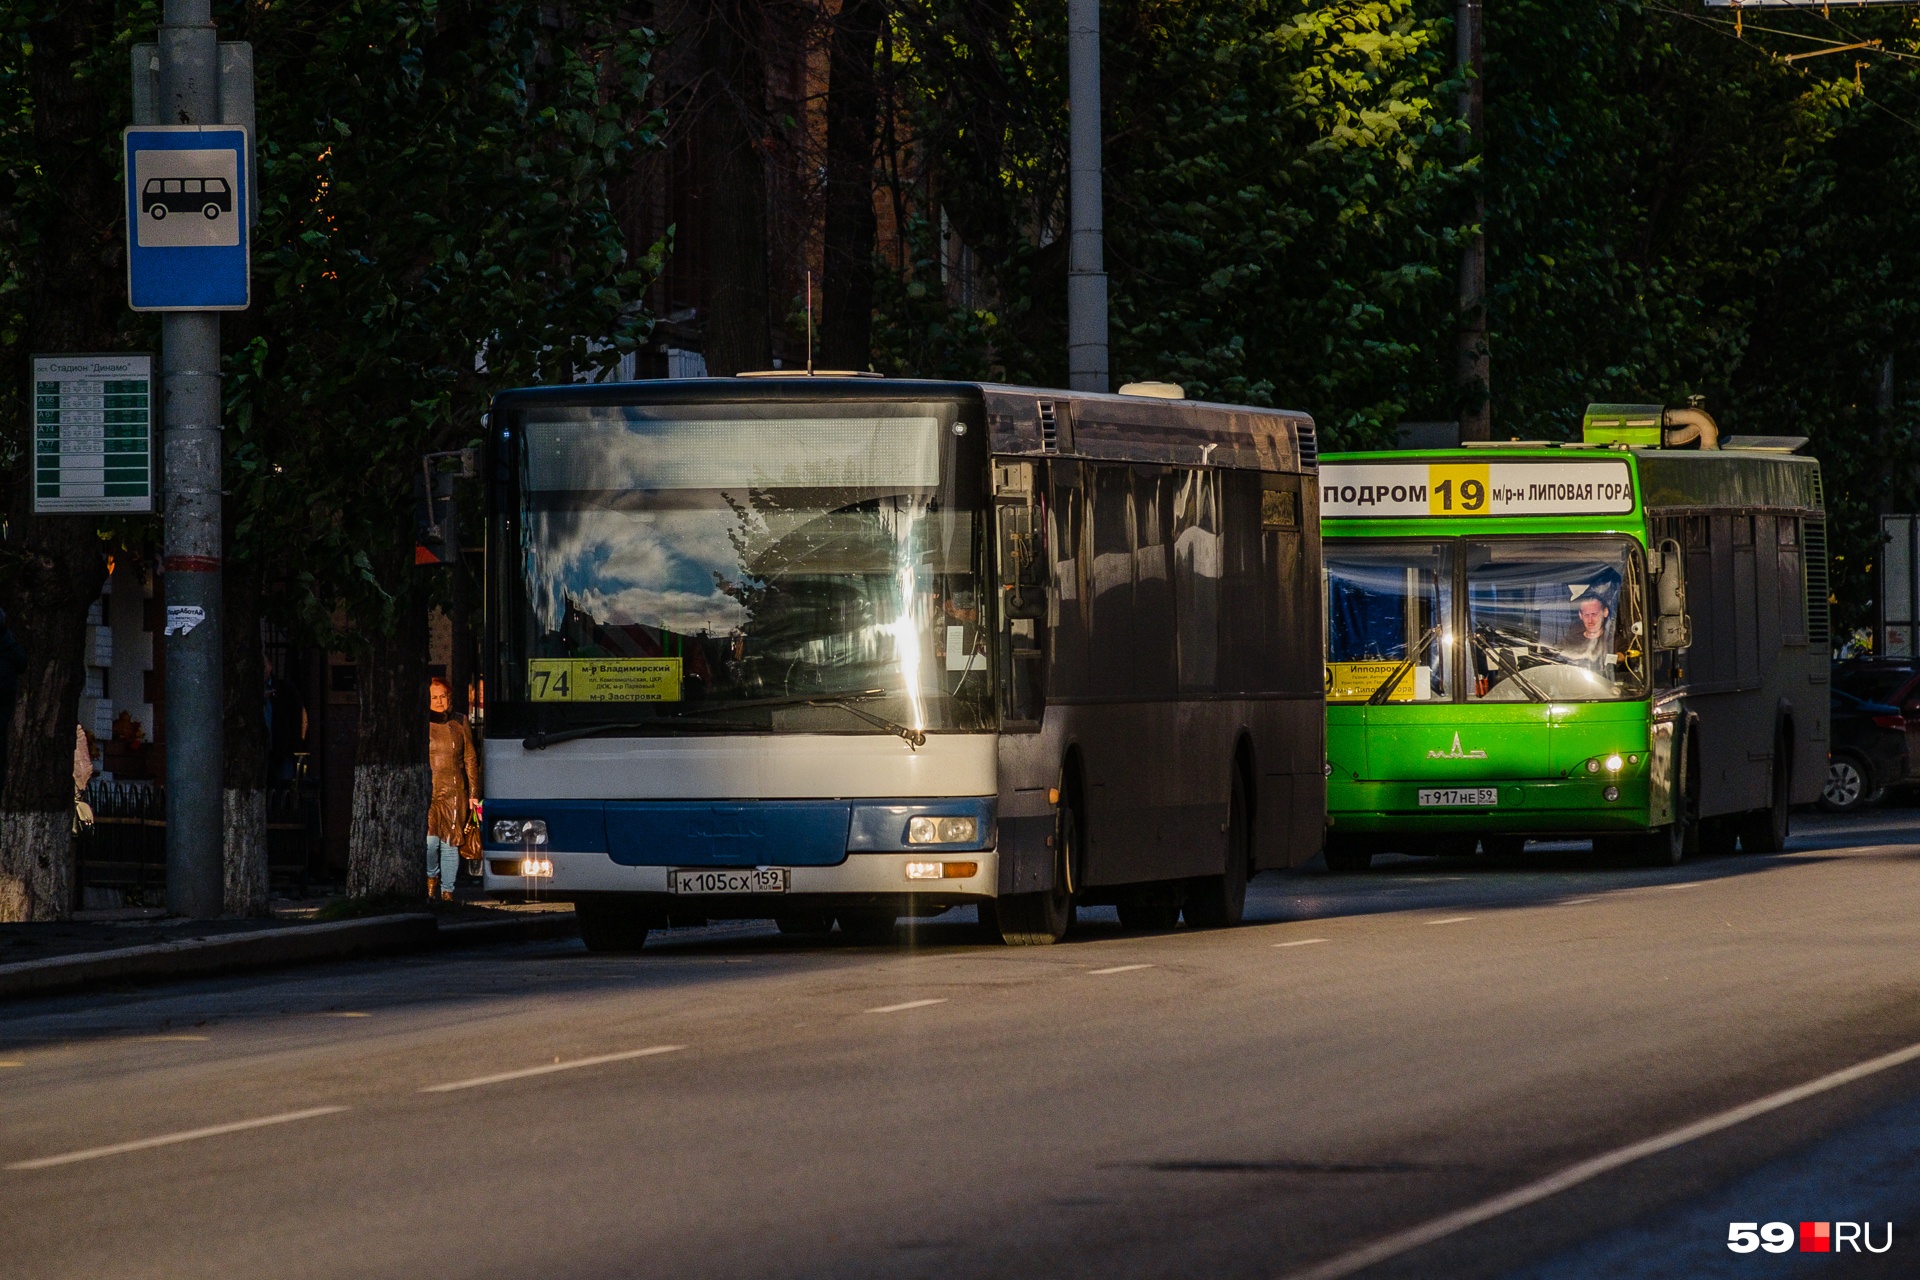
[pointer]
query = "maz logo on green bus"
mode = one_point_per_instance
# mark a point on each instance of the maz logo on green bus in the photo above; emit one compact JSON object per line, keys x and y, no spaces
{"x":1456,"y":753}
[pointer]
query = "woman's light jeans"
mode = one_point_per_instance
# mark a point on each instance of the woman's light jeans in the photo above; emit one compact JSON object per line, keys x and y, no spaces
{"x":443,"y":860}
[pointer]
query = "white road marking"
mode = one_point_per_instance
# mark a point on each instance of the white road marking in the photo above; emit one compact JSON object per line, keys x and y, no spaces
{"x":1575,"y":902}
{"x":168,"y":1139}
{"x":910,"y":1004}
{"x":1300,"y":942}
{"x":550,"y":1068}
{"x":1690,"y":884}
{"x":1450,"y":920}
{"x":1573,"y":1175}
{"x":1118,"y":968}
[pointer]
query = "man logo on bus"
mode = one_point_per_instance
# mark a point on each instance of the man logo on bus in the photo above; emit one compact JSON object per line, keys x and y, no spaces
{"x":1456,"y":753}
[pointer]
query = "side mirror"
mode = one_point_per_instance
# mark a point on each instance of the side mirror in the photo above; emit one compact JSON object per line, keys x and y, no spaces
{"x":1672,"y":628}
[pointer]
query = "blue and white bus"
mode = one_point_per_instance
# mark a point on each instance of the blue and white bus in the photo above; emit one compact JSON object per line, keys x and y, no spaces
{"x":842,"y":649}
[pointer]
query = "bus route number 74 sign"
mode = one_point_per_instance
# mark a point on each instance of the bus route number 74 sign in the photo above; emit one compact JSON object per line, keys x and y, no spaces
{"x":1369,"y":490}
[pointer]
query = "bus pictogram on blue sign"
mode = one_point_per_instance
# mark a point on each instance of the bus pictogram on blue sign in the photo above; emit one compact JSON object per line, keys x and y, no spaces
{"x":187,"y":204}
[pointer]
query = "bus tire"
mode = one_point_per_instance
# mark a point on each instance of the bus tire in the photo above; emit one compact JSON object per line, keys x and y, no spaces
{"x":1150,"y":907}
{"x":1765,"y":830}
{"x":1664,"y":846}
{"x":1218,"y":902}
{"x":613,"y":928}
{"x":1346,"y":856}
{"x":1041,"y":919}
{"x":869,"y":928}
{"x":805,"y":924}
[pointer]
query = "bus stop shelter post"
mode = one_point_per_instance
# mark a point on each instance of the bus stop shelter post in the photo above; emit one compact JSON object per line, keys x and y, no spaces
{"x":189,"y":93}
{"x":1086,"y":268}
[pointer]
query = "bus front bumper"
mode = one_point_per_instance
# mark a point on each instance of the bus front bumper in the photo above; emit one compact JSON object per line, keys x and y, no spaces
{"x":861,"y":879}
{"x":1527,"y":806}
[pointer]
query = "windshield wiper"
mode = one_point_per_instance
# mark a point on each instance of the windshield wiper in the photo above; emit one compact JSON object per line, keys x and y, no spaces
{"x":1508,"y":667}
{"x":1387,"y":686}
{"x":915,"y":738}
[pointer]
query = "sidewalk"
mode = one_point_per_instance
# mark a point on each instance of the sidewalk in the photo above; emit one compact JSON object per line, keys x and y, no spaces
{"x":134,"y":945}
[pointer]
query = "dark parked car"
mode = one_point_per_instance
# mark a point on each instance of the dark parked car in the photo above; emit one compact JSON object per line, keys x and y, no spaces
{"x":1876,"y":703}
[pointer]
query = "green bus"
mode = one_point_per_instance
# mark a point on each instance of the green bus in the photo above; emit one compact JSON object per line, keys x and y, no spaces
{"x":1620,"y":638}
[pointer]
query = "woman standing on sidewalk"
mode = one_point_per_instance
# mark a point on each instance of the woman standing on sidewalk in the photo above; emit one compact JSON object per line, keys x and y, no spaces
{"x":456,"y":788}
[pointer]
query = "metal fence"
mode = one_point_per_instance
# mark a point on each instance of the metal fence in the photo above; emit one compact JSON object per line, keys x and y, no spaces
{"x":126,"y":847}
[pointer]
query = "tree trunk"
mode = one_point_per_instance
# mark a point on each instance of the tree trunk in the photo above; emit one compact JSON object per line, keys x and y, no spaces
{"x":51,"y":567}
{"x":244,"y":795}
{"x":732,"y":123}
{"x":387,"y":839}
{"x":853,"y":110}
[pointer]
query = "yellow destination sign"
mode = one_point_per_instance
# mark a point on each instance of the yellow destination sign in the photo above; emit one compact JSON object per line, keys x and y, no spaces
{"x":1352,"y":681}
{"x":603,"y":679}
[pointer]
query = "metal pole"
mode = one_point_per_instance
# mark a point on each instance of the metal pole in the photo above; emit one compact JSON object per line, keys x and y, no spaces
{"x":1086,"y":270}
{"x":189,"y":93}
{"x":1472,"y":364}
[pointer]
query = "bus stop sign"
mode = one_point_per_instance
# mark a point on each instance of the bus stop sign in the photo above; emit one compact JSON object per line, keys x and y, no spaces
{"x":187,"y":205}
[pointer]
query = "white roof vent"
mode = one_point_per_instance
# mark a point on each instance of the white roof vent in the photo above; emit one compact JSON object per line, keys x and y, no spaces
{"x":1157,"y":390}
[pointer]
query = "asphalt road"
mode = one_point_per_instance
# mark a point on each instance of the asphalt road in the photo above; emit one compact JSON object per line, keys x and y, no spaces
{"x":1372,"y":1062}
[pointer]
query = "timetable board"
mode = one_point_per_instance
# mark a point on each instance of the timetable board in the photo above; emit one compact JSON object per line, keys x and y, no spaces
{"x":93,"y":433}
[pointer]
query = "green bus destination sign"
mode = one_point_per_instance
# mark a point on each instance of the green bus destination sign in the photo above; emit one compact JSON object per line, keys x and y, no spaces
{"x":93,"y":433}
{"x":1475,"y":487}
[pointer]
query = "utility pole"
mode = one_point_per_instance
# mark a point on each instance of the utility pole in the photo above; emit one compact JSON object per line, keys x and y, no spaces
{"x":179,"y":82}
{"x":1471,"y":366}
{"x":1086,"y":269}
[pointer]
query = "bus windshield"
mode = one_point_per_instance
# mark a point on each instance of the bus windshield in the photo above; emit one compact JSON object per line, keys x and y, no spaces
{"x":1389,"y":617}
{"x":1555,"y":620}
{"x":787,"y":568}
{"x":1536,"y":620}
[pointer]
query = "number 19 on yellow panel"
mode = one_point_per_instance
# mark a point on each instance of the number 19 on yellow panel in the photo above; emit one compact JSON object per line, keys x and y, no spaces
{"x":1458,"y":489}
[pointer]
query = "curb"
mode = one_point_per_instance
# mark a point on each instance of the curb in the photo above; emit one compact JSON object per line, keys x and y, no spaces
{"x":268,"y":949}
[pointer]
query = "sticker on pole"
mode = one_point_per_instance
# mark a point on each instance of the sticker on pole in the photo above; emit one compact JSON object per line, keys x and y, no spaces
{"x":183,"y":618}
{"x":187,"y":231}
{"x":1475,"y":488}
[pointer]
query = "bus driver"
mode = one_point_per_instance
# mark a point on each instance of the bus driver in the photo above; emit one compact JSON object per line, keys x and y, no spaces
{"x":1589,"y":642}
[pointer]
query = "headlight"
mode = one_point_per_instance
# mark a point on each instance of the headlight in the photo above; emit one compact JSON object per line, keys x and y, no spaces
{"x":941,"y":870}
{"x":519,"y":831}
{"x":942,"y":830}
{"x":1611,"y":793}
{"x":1593,"y":766}
{"x":536,"y":867}
{"x":1613,"y":763}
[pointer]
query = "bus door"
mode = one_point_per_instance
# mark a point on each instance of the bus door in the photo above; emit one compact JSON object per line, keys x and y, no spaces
{"x":1024,"y":568}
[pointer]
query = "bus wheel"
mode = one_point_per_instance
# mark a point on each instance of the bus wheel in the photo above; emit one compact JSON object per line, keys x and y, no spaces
{"x":1346,"y":856}
{"x":1150,"y":906}
{"x":1218,"y":902}
{"x":1664,"y":846}
{"x":612,"y":927}
{"x":805,"y":924}
{"x":1041,"y":919}
{"x":869,"y":929}
{"x":1765,"y":830}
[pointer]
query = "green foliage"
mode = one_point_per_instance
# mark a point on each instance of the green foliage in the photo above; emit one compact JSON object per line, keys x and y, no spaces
{"x":1282,"y":197}
{"x":435,"y":227}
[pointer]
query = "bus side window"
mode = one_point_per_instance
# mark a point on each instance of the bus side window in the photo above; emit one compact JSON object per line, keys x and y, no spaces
{"x":1025,"y":567}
